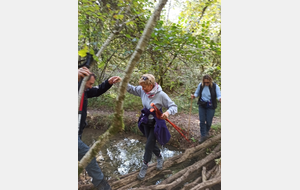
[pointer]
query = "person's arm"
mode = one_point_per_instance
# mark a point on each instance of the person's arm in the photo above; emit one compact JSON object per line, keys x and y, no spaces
{"x":168,"y":103}
{"x":96,"y":91}
{"x":196,"y":94}
{"x":218,"y":92}
{"x":135,"y":90}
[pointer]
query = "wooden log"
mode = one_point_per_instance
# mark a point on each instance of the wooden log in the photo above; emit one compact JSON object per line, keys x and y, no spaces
{"x":205,"y":160}
{"x":204,"y":174}
{"x":130,"y":180}
{"x":86,"y":187}
{"x":181,"y":176}
{"x":198,"y":180}
{"x":207,"y":184}
{"x":206,"y":143}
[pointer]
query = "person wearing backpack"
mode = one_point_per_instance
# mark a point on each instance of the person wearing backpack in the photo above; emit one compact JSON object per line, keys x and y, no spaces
{"x":208,"y":93}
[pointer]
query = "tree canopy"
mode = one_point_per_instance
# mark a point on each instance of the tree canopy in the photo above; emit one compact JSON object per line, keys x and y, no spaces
{"x":178,"y":54}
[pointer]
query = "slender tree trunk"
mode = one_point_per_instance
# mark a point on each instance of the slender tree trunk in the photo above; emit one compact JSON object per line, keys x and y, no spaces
{"x":118,"y":123}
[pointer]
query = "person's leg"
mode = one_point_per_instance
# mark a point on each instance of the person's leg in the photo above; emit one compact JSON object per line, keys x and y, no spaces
{"x":209,"y":117}
{"x":156,"y":150}
{"x":92,"y":168}
{"x":202,"y":118}
{"x":150,"y":144}
{"x":148,"y":151}
{"x":149,"y":148}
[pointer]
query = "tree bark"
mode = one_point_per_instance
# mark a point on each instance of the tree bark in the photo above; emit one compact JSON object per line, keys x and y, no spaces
{"x":204,"y":174}
{"x":207,"y":184}
{"x":195,"y":182}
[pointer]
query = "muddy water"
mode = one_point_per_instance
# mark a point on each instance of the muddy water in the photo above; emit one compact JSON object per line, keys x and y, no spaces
{"x":124,"y":153}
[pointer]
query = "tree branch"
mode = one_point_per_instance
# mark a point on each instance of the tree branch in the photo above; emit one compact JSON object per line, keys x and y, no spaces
{"x":208,"y":183}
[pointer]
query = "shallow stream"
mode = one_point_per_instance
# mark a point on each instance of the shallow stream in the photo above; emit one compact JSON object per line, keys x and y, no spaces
{"x":123,"y":154}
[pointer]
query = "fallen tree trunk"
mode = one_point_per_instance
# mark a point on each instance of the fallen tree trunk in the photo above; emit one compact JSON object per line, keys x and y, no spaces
{"x":130,"y":180}
{"x":181,"y":176}
{"x":176,"y":179}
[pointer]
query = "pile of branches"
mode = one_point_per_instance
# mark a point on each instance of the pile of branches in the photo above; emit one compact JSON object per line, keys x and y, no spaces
{"x":204,"y":173}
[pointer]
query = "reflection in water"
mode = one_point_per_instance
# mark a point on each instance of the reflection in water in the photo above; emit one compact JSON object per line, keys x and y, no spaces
{"x":125,"y":156}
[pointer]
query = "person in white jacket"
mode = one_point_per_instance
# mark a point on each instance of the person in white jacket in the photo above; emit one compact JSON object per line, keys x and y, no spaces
{"x":151,"y":92}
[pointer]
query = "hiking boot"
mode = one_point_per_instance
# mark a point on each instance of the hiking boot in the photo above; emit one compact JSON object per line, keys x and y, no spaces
{"x":160,"y":162}
{"x":103,"y":185}
{"x":202,"y":139}
{"x":143,"y":171}
{"x":207,"y":134}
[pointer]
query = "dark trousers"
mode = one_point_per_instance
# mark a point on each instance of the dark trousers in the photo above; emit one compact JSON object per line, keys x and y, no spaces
{"x":92,"y":168}
{"x":206,"y":116}
{"x":151,"y":141}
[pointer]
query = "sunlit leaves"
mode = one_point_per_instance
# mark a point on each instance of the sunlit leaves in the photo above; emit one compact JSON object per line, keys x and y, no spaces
{"x":83,"y":52}
{"x":118,"y":17}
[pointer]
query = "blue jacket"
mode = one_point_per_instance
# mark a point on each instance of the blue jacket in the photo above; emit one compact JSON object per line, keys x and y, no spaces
{"x":161,"y":131}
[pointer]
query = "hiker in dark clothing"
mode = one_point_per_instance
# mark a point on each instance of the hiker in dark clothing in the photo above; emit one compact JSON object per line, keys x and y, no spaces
{"x":152,"y":127}
{"x":208,"y":93}
{"x":90,"y":91}
{"x":92,"y":168}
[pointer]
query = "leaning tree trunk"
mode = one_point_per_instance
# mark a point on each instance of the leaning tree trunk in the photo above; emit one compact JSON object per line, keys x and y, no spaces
{"x":118,"y":124}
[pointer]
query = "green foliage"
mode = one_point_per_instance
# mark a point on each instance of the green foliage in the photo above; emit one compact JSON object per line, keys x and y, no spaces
{"x":218,"y":161}
{"x":178,"y":54}
{"x":83,"y":52}
{"x":194,"y":140}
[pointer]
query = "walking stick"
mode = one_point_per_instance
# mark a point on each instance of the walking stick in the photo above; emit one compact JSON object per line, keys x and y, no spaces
{"x":158,"y":115}
{"x":190,"y":118}
{"x":87,"y":63}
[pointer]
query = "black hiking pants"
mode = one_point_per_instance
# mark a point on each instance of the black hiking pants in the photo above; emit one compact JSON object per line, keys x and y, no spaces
{"x":151,"y":141}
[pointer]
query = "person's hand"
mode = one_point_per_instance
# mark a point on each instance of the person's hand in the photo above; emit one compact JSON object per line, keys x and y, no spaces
{"x":114,"y":79}
{"x":82,"y":72}
{"x":165,"y":115}
{"x":220,"y":100}
{"x":192,"y":96}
